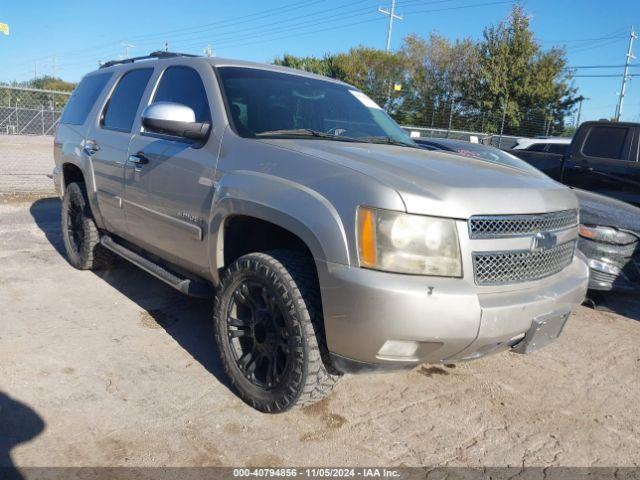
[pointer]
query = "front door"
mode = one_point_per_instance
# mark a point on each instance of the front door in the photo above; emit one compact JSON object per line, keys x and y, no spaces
{"x":169,"y":181}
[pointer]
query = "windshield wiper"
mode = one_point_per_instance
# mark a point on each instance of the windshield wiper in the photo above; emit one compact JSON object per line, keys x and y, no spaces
{"x":385,"y":139}
{"x":303,"y":132}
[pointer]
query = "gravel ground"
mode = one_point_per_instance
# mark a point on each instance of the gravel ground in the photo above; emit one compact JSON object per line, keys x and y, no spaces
{"x":118,"y":369}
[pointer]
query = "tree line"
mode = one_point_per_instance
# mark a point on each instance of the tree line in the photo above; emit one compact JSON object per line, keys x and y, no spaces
{"x":505,"y":78}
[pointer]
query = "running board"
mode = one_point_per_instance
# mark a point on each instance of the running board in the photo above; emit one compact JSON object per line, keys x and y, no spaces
{"x":193,"y":288}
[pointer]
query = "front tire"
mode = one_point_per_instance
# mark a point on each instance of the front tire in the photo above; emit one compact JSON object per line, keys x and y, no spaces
{"x":268,"y":326}
{"x":79,"y":231}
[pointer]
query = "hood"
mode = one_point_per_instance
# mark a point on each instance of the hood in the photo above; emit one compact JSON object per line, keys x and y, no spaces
{"x":604,"y":211}
{"x":443,"y":184}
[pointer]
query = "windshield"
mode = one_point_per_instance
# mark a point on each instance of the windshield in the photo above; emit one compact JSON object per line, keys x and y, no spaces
{"x":492,"y":154}
{"x":267,"y":103}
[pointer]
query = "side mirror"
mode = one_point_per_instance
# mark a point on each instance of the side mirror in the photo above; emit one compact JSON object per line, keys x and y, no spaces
{"x":174,"y":119}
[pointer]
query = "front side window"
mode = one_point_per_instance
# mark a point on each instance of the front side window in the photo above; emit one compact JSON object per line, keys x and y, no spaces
{"x":605,"y":142}
{"x":267,"y":103}
{"x":183,"y":85}
{"x":121,"y":109}
{"x":83,"y":98}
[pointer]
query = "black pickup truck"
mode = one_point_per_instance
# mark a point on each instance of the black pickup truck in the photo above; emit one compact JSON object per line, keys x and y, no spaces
{"x":603,"y":157}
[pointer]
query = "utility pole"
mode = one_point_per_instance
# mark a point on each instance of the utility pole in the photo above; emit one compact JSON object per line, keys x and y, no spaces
{"x":126,"y":47}
{"x":53,"y":66}
{"x":392,"y":14}
{"x":580,"y":110}
{"x":625,"y":76}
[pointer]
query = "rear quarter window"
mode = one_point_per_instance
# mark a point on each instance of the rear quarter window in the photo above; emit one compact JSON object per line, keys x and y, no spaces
{"x":605,"y":142}
{"x":83,"y":98}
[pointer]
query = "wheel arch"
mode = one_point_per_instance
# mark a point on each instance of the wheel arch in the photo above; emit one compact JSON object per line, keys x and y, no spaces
{"x":287,"y":205}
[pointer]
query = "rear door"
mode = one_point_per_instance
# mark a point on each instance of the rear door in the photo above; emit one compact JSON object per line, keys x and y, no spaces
{"x":74,"y":124}
{"x":108,"y":140}
{"x":168,"y":197}
{"x":605,"y":161}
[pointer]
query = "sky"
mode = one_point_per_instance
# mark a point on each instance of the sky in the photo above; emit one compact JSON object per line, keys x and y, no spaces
{"x":70,"y":37}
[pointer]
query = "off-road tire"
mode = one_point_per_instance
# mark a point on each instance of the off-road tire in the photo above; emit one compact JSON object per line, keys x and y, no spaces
{"x":291,"y":275}
{"x":83,"y":250}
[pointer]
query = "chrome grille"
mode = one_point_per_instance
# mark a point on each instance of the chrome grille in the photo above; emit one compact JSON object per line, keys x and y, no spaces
{"x":499,"y":268}
{"x":502,"y":226}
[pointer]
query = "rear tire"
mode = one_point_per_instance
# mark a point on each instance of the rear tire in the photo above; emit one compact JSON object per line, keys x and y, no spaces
{"x":79,"y":231}
{"x":268,"y":326}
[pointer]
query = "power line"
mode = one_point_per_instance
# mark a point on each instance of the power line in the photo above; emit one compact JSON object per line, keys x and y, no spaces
{"x":263,"y":40}
{"x":304,"y":26}
{"x":308,"y":19}
{"x":598,"y":66}
{"x":612,"y":75}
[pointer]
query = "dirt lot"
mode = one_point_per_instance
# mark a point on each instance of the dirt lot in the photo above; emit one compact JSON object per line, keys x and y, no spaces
{"x":118,"y":369}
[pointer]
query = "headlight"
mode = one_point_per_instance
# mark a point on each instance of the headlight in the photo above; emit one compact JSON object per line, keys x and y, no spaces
{"x":607,"y":235}
{"x":403,"y":243}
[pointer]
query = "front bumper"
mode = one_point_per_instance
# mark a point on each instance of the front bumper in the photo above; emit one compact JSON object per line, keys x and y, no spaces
{"x":382,"y":319}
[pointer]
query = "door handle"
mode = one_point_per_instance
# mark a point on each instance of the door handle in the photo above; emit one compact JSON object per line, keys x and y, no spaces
{"x":91,"y":147}
{"x":138,"y":160}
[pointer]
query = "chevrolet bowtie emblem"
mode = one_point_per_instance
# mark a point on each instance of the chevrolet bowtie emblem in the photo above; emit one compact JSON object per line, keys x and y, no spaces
{"x":543,"y":241}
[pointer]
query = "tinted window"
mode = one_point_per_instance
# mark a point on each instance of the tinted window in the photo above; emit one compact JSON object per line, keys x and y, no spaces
{"x":83,"y":98}
{"x":183,"y":85}
{"x":123,"y":104}
{"x":537,"y":147}
{"x":558,"y":148}
{"x":605,"y":142}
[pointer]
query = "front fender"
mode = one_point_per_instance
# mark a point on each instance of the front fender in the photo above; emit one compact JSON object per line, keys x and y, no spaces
{"x":289,"y":205}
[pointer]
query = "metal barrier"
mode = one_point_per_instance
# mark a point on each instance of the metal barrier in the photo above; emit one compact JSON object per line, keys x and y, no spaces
{"x":29,"y":111}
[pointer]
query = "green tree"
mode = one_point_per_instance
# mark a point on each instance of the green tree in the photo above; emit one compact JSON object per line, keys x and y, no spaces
{"x":514,"y":74}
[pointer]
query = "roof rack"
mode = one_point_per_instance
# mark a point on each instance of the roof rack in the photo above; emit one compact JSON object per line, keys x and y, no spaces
{"x":159,"y":54}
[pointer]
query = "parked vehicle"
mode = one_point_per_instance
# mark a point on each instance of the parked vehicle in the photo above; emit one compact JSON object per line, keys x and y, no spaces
{"x":603,"y":157}
{"x":609,"y":238}
{"x":609,"y":228}
{"x":557,"y":145}
{"x":331,"y":241}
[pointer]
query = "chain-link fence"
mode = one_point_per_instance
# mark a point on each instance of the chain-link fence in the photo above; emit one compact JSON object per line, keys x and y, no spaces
{"x":28,"y":119}
{"x":28,"y":111}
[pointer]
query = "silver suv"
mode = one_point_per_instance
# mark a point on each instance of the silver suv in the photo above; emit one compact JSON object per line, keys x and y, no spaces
{"x":330,"y":242}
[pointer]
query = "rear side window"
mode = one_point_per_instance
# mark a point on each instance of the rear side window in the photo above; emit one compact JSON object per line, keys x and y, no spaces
{"x":605,"y":142}
{"x":558,"y":148}
{"x":183,"y":85}
{"x":123,"y":104}
{"x":83,"y":98}
{"x":537,"y":147}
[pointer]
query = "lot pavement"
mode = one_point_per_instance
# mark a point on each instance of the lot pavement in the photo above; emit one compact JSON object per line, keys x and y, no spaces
{"x":118,"y":369}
